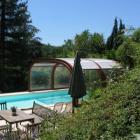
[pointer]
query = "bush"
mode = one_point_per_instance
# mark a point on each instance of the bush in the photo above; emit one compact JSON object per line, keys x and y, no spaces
{"x":114,"y":115}
{"x":128,"y":54}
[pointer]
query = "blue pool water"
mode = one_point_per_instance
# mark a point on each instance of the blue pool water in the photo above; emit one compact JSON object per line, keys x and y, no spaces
{"x":44,"y":98}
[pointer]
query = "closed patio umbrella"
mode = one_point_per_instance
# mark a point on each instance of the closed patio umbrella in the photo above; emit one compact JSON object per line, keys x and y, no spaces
{"x":77,"y":87}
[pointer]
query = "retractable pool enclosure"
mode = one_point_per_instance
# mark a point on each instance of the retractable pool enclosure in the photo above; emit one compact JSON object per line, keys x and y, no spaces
{"x":56,"y":73}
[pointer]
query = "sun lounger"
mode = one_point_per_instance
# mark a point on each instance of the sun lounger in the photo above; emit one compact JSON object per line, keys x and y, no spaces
{"x":58,"y":107}
{"x":68,"y":108}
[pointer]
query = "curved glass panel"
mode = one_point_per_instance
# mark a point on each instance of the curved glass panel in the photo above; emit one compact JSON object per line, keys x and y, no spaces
{"x":53,"y":74}
{"x":40,"y":77}
{"x":49,"y":76}
{"x":61,"y":77}
{"x":92,"y":78}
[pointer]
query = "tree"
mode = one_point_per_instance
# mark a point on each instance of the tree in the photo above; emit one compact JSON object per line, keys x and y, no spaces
{"x":97,"y":43}
{"x":47,"y":51}
{"x":2,"y":45}
{"x":121,"y":27}
{"x":82,"y":43}
{"x":19,"y":40}
{"x":111,"y":39}
{"x":120,"y":34}
{"x":136,"y":36}
{"x":69,"y":44}
{"x":125,"y":54}
{"x":116,"y":37}
{"x":68,"y":48}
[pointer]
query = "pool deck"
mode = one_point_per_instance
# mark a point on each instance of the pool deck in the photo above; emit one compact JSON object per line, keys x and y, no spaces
{"x":26,"y":92}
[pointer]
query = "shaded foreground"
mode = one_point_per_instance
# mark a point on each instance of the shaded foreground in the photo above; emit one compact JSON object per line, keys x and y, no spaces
{"x":112,"y":113}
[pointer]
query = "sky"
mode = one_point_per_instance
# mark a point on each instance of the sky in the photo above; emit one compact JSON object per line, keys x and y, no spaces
{"x":59,"y":20}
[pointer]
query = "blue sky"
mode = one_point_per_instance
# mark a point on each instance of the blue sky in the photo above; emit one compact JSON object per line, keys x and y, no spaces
{"x":59,"y":20}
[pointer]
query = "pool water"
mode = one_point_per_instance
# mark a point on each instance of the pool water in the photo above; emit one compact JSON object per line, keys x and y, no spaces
{"x":45,"y":98}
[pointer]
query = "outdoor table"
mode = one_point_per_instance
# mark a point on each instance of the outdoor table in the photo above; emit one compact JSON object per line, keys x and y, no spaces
{"x":20,"y":117}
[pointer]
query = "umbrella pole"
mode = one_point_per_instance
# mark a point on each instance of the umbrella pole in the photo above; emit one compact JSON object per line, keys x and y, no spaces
{"x":74,"y":103}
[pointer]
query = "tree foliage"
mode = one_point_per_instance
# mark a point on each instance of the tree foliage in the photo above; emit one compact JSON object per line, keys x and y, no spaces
{"x":116,"y":37}
{"x":82,"y":42}
{"x":97,"y":43}
{"x":86,"y":43}
{"x":128,"y":52}
{"x":20,"y":44}
{"x":136,"y":36}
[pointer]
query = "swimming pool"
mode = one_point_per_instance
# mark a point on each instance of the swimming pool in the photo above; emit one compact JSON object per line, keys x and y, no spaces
{"x":43,"y":97}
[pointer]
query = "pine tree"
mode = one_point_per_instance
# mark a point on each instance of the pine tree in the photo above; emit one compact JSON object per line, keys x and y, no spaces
{"x":2,"y":44}
{"x":115,"y":39}
{"x":115,"y":28}
{"x":121,"y":27}
{"x":111,"y":44}
{"x":19,"y":36}
{"x":120,"y":35}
